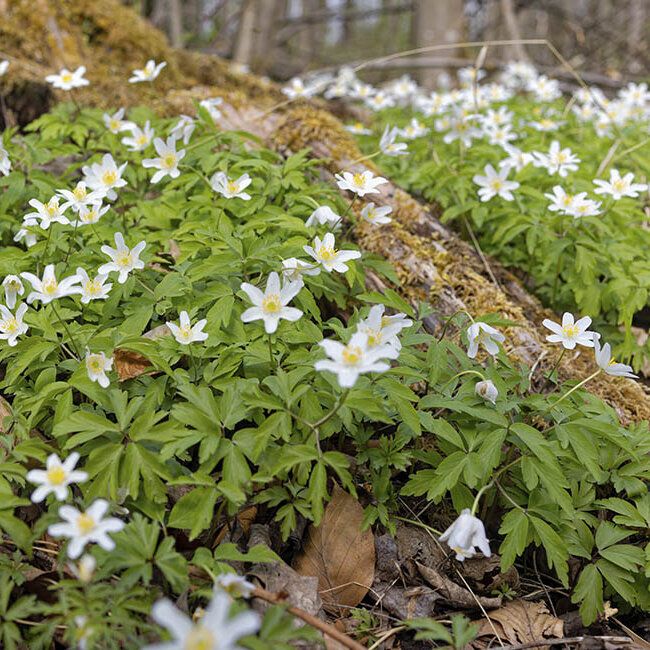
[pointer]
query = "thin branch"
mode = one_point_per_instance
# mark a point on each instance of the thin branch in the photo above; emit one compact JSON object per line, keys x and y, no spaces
{"x":621,"y":640}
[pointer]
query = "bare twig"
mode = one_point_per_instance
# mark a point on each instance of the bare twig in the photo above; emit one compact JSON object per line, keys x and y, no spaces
{"x":622,"y":640}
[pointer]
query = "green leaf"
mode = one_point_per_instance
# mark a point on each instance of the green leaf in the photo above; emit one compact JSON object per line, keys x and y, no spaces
{"x":556,"y":551}
{"x":194,"y":511}
{"x":589,"y":593}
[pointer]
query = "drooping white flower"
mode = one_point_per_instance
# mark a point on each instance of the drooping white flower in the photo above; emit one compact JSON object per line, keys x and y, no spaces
{"x":210,"y":105}
{"x":67,"y":80}
{"x":90,"y":214}
{"x":13,"y":287}
{"x":23,"y":233}
{"x":480,"y":332}
{"x":493,"y":184}
{"x":167,"y":161}
{"x":114,"y":123}
{"x":83,"y":632}
{"x":487,"y":390}
{"x":323,"y":215}
{"x":5,"y":162}
{"x":184,"y":128}
{"x":48,"y":289}
{"x":123,"y":258}
{"x":97,"y":364}
{"x":12,"y":326}
{"x":358,"y":129}
{"x":331,"y":258}
{"x":381,"y":330}
{"x":93,"y":289}
{"x":293,"y":269}
{"x":354,"y":359}
{"x":139,"y":139}
{"x":570,"y":333}
{"x":105,"y":177}
{"x":186,"y":334}
{"x":56,"y":477}
{"x":376,"y":215}
{"x":359,"y":183}
{"x":234,"y":585}
{"x":557,"y":161}
{"x":48,"y":213}
{"x":517,"y":159}
{"x":3,"y":67}
{"x":85,"y":569}
{"x":85,"y":527}
{"x":231,"y":189}
{"x":605,"y":362}
{"x":148,"y":73}
{"x":79,"y":197}
{"x":215,"y":630}
{"x":271,"y":305}
{"x":464,"y":534}
{"x":619,"y":187}
{"x":388,"y":146}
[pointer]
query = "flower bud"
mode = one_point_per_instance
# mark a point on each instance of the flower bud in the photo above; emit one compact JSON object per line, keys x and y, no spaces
{"x":487,"y":390}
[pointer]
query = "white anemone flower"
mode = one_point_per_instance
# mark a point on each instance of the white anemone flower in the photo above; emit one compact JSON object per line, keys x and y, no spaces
{"x":297,"y":88}
{"x":13,"y":287}
{"x":331,"y":258}
{"x":67,"y":80}
{"x":359,"y":183}
{"x":94,"y":289}
{"x":354,"y":359}
{"x":557,"y":161}
{"x":167,"y":161}
{"x":23,"y":233}
{"x":487,"y":390}
{"x":358,"y":129}
{"x":148,"y":73}
{"x":517,"y":159}
{"x":49,"y":213}
{"x":97,"y":364}
{"x":85,"y":569}
{"x":570,"y":333}
{"x":56,"y":477}
{"x":12,"y":326}
{"x":482,"y":333}
{"x":381,"y":330}
{"x":323,"y":215}
{"x":231,"y":189}
{"x":79,"y":197}
{"x":185,"y":333}
{"x":608,"y":364}
{"x":234,"y":585}
{"x":388,"y":146}
{"x":215,"y":630}
{"x":123,"y":258}
{"x":184,"y":128}
{"x":500,"y":135}
{"x":495,"y":184}
{"x":85,"y":527}
{"x":414,"y":130}
{"x":48,"y":289}
{"x":376,"y":215}
{"x":583,"y":207}
{"x":105,"y":177}
{"x":139,"y":139}
{"x":271,"y":304}
{"x":90,"y":214}
{"x":561,"y":201}
{"x":114,"y":123}
{"x":619,"y":187}
{"x":5,"y":161}
{"x":210,"y":105}
{"x":3,"y":67}
{"x":545,"y":125}
{"x":466,"y":533}
{"x":293,"y":269}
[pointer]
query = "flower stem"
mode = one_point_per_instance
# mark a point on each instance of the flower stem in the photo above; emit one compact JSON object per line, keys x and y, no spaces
{"x":67,"y":255}
{"x":196,"y":371}
{"x":315,"y":427}
{"x":458,"y":311}
{"x":418,"y":523}
{"x":550,"y":374}
{"x":65,"y":327}
{"x":44,"y":253}
{"x":459,"y":374}
{"x":358,"y":160}
{"x":271,"y":353}
{"x":582,"y":383}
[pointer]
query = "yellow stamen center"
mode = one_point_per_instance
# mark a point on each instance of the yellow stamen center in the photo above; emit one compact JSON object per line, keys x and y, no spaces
{"x":374,"y":337}
{"x":618,"y":185}
{"x":55,"y":475}
{"x":570,"y":331}
{"x":80,"y":193}
{"x":93,"y":287}
{"x":327,"y":253}
{"x":232,"y":187}
{"x":200,"y":638}
{"x":124,"y":258}
{"x":115,"y":124}
{"x":66,"y":77}
{"x":85,"y":523}
{"x":109,"y":178}
{"x":141,"y":140}
{"x":50,"y":286}
{"x":185,"y":331}
{"x":357,"y":179}
{"x":271,"y":303}
{"x":53,"y":206}
{"x":95,"y":363}
{"x":168,"y":160}
{"x":9,"y":325}
{"x":351,"y":355}
{"x":90,"y":216}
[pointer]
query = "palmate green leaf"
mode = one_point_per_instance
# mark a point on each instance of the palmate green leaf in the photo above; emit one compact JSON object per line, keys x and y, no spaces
{"x":556,"y":551}
{"x":515,"y":528}
{"x":620,"y":580}
{"x":455,"y":404}
{"x":194,"y":510}
{"x":588,"y":592}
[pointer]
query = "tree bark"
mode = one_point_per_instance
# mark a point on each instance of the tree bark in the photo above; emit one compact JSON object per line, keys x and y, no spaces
{"x":245,"y":40}
{"x":176,"y":23}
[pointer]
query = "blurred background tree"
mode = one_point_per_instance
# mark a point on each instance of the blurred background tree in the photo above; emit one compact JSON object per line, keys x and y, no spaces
{"x":283,"y":38}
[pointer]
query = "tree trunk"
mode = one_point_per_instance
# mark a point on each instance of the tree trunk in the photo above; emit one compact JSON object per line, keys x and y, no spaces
{"x":176,"y":23}
{"x":245,"y":40}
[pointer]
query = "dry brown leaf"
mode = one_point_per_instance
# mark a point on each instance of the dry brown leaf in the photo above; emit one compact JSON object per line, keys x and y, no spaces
{"x":130,"y":364}
{"x":174,"y":250}
{"x":522,"y":621}
{"x":5,"y":412}
{"x":339,"y":553}
{"x":453,"y":593}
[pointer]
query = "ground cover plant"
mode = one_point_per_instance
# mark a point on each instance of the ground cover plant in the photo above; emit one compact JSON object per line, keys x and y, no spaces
{"x":189,"y":346}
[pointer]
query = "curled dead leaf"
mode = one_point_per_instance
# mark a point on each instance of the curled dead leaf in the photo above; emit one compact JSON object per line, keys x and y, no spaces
{"x":129,"y":364}
{"x":339,"y":553}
